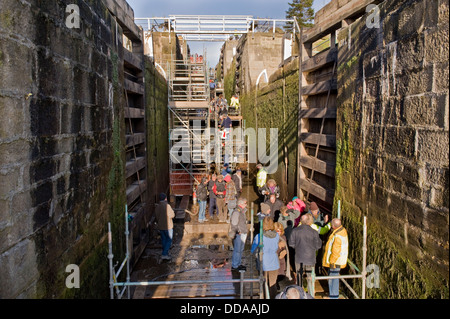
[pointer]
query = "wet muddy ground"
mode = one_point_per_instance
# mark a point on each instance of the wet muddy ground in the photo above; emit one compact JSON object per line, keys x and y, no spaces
{"x":204,"y":255}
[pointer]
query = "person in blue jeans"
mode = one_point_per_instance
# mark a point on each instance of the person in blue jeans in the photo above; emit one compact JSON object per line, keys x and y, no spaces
{"x":164,"y":215}
{"x":238,"y":231}
{"x":202,"y":196}
{"x":212,"y":196}
{"x":335,"y":255}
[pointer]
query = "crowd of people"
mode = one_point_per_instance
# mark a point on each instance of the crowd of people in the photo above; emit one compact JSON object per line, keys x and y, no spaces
{"x":295,"y":240}
{"x":307,"y":240}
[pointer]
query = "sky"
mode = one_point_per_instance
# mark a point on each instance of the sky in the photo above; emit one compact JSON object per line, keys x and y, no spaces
{"x":274,"y":9}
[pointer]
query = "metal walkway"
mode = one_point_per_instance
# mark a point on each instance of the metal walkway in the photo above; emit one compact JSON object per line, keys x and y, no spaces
{"x":210,"y":27}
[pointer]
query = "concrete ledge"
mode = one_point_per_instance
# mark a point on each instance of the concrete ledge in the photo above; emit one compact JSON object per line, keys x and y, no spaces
{"x":194,"y":227}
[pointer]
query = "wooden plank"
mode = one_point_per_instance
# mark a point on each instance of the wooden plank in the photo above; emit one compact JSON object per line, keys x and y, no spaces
{"x":319,"y":60}
{"x":318,"y":113}
{"x":134,"y":113}
{"x":134,"y":139}
{"x":131,"y":167}
{"x":133,"y":87}
{"x":315,"y":138}
{"x":334,"y":18}
{"x":132,"y":59}
{"x":323,"y":167}
{"x":126,"y":20}
{"x":135,"y":189}
{"x":319,"y":87}
{"x":317,"y":190}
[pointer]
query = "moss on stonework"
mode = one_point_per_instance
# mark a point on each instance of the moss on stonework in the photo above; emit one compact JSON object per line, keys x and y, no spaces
{"x":229,"y":81}
{"x":115,"y":69}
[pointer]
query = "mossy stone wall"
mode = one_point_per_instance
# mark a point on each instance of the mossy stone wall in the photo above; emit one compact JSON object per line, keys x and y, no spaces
{"x":392,"y":145}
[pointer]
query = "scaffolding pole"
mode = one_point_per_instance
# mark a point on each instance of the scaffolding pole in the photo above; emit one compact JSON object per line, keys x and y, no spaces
{"x":362,"y":275}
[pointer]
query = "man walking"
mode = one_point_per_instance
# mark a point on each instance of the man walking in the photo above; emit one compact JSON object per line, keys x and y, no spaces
{"x":306,"y":241}
{"x":335,"y":255}
{"x":219,"y":190}
{"x":237,"y":179}
{"x":202,"y":196}
{"x":212,"y":196}
{"x":238,"y":231}
{"x":164,"y":214}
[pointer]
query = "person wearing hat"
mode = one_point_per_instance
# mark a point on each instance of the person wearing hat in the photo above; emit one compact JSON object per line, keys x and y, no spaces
{"x":212,"y":196}
{"x":237,"y":179}
{"x":163,"y":215}
{"x":319,"y":219}
{"x":238,"y":232}
{"x":269,"y":188}
{"x":230,"y":196}
{"x":219,"y":190}
{"x":275,"y":205}
{"x":226,"y":169}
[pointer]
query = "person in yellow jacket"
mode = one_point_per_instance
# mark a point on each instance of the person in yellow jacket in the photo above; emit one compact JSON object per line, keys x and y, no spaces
{"x":335,"y":255}
{"x":261,"y":177}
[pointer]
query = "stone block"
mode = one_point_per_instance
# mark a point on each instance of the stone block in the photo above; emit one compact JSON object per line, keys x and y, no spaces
{"x":439,"y":197}
{"x":14,"y":152}
{"x":415,"y":82}
{"x":19,"y":268}
{"x":42,"y":169}
{"x":410,"y":53}
{"x":9,"y":181}
{"x":433,"y":147}
{"x":415,"y":211}
{"x":400,"y":141}
{"x":412,"y":19}
{"x":443,"y":13}
{"x":436,"y":45}
{"x":426,"y":110}
{"x":440,"y":77}
{"x":44,"y":116}
{"x":12,"y":120}
{"x":17,"y":67}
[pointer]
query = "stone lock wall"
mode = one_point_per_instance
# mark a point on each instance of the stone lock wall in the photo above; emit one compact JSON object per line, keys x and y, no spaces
{"x":392,"y":145}
{"x":157,"y":131}
{"x":392,"y":135}
{"x":61,"y":142}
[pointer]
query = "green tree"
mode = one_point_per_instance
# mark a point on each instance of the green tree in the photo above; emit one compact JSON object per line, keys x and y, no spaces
{"x":303,"y":11}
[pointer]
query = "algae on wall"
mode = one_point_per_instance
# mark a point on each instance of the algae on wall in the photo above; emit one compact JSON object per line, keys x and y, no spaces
{"x":275,"y":106}
{"x":157,"y":131}
{"x":229,"y":81}
{"x":68,"y":147}
{"x":382,"y":169}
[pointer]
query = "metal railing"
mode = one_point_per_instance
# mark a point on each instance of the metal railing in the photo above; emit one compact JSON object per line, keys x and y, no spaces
{"x":207,"y":25}
{"x":113,"y":275}
{"x":362,"y":275}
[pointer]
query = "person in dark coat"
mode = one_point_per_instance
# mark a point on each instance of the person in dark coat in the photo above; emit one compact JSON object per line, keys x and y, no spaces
{"x":219,"y":190}
{"x":237,"y":179}
{"x":306,"y":241}
{"x":275,"y":205}
{"x":202,"y":197}
{"x":212,"y":196}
